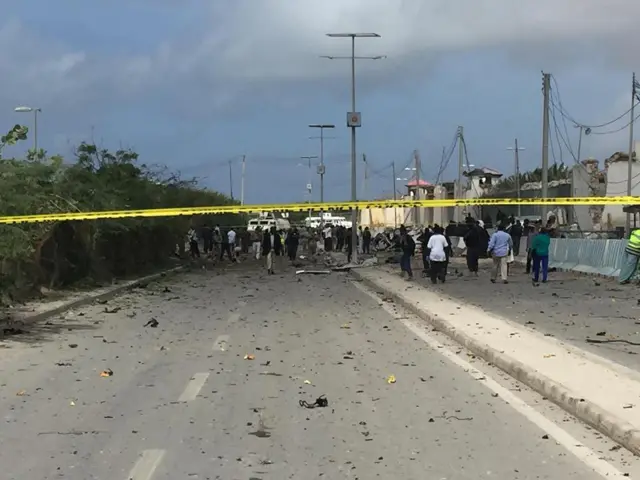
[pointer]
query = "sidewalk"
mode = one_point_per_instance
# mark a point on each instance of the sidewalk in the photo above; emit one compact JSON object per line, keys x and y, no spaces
{"x":571,"y":307}
{"x":602,"y":392}
{"x":38,"y":310}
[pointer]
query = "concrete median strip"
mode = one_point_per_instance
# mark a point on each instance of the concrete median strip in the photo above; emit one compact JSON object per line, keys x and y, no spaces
{"x":598,"y":391}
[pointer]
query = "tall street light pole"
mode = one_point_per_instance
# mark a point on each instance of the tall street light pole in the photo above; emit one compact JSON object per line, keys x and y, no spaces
{"x":35,"y":111}
{"x":516,"y":158}
{"x":354,"y":121}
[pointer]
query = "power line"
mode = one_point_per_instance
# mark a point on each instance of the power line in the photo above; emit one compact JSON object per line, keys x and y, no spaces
{"x":565,"y":114}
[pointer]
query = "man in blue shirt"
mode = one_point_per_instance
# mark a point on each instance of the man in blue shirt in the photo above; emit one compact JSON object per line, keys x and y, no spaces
{"x":500,"y":246}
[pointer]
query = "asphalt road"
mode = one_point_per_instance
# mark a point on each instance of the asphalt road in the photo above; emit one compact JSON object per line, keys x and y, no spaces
{"x":184,"y":403}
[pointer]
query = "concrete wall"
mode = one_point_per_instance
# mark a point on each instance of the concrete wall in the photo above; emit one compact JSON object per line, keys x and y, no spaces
{"x":617,"y":173}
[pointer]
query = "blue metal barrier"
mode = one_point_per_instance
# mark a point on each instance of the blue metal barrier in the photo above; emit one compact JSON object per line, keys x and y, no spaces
{"x":595,"y":257}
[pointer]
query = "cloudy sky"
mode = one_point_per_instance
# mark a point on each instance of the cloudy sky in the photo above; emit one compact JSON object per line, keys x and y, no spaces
{"x":193,"y":83}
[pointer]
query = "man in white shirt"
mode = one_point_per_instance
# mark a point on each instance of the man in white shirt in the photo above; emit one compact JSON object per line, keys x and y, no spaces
{"x":328,"y":240}
{"x":231,"y":236}
{"x":439,"y":250}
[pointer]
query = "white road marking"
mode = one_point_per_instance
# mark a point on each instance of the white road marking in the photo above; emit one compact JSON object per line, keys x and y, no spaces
{"x":193,"y":387}
{"x":562,"y":437}
{"x":221,"y":343}
{"x":146,"y":465}
{"x":233,"y":318}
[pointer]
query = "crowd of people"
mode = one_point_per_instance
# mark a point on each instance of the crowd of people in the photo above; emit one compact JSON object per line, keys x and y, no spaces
{"x":437,"y":248}
{"x":219,"y":242}
{"x":502,"y":246}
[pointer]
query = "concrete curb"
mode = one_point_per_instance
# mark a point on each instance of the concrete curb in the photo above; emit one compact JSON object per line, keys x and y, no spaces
{"x":606,"y":423}
{"x":107,"y":294}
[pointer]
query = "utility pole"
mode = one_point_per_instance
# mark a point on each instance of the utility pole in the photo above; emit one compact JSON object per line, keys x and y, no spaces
{"x":395,"y":197}
{"x":230,"y":179}
{"x":308,"y":158}
{"x":416,"y":211}
{"x":634,"y":84}
{"x":458,"y":212}
{"x":546,"y":88}
{"x":366,"y":176}
{"x":321,"y":167}
{"x":516,"y":160}
{"x":354,"y":121}
{"x":244,"y":164}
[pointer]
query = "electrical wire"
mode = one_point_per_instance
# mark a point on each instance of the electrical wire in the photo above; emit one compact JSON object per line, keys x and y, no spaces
{"x":446,"y":156}
{"x":566,"y":115}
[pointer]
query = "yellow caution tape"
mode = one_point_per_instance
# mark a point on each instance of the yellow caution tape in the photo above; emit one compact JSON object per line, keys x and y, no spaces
{"x":315,"y":207}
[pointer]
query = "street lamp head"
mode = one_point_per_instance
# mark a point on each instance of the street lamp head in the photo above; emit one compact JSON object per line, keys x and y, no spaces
{"x":322,"y":125}
{"x":353,"y":35}
{"x":23,"y":109}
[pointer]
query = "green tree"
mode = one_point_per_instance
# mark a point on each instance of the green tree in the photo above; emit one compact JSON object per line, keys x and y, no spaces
{"x":61,"y":253}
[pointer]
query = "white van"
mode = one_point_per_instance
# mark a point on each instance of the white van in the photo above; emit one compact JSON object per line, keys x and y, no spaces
{"x":267,"y":223}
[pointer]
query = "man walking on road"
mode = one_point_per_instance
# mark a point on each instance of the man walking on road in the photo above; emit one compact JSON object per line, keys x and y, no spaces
{"x":256,"y":242}
{"x":540,"y":256}
{"x":439,"y":248}
{"x":408,"y":249}
{"x":473,"y":242}
{"x":516,"y":235}
{"x":500,"y":246}
{"x":271,"y":245}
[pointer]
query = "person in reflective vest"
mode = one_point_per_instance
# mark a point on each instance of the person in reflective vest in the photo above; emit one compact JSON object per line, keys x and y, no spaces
{"x":629,"y":267}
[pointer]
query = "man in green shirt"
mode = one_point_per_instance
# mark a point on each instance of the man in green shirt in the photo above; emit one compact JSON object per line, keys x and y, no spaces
{"x":540,"y":255}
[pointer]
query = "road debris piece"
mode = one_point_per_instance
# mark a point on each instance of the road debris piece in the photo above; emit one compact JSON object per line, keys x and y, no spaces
{"x":21,"y":393}
{"x":249,"y":356}
{"x":112,"y":310}
{"x":307,"y":382}
{"x":345,"y":326}
{"x":153,"y":323}
{"x":313,"y":272}
{"x":321,"y":401}
{"x":391,"y":379}
{"x":613,"y":340}
{"x":106,"y":373}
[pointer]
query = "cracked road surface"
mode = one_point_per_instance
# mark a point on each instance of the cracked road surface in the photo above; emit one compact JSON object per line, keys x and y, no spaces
{"x":213,"y":391}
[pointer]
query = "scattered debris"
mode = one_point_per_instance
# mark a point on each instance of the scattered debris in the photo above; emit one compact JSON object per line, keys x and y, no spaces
{"x":549,"y":355}
{"x":12,"y":331}
{"x":249,"y":356}
{"x":63,"y":364}
{"x":345,"y":326}
{"x":271,"y":374}
{"x":391,"y":379}
{"x":21,"y":393}
{"x":628,"y":405}
{"x":321,"y":401}
{"x":106,"y":373}
{"x":613,"y":340}
{"x":73,"y":432}
{"x":307,"y":382}
{"x":153,"y":323}
{"x":112,"y":310}
{"x":313,"y":272}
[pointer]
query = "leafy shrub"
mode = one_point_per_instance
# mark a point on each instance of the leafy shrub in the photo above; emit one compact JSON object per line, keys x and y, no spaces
{"x":58,"y":254}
